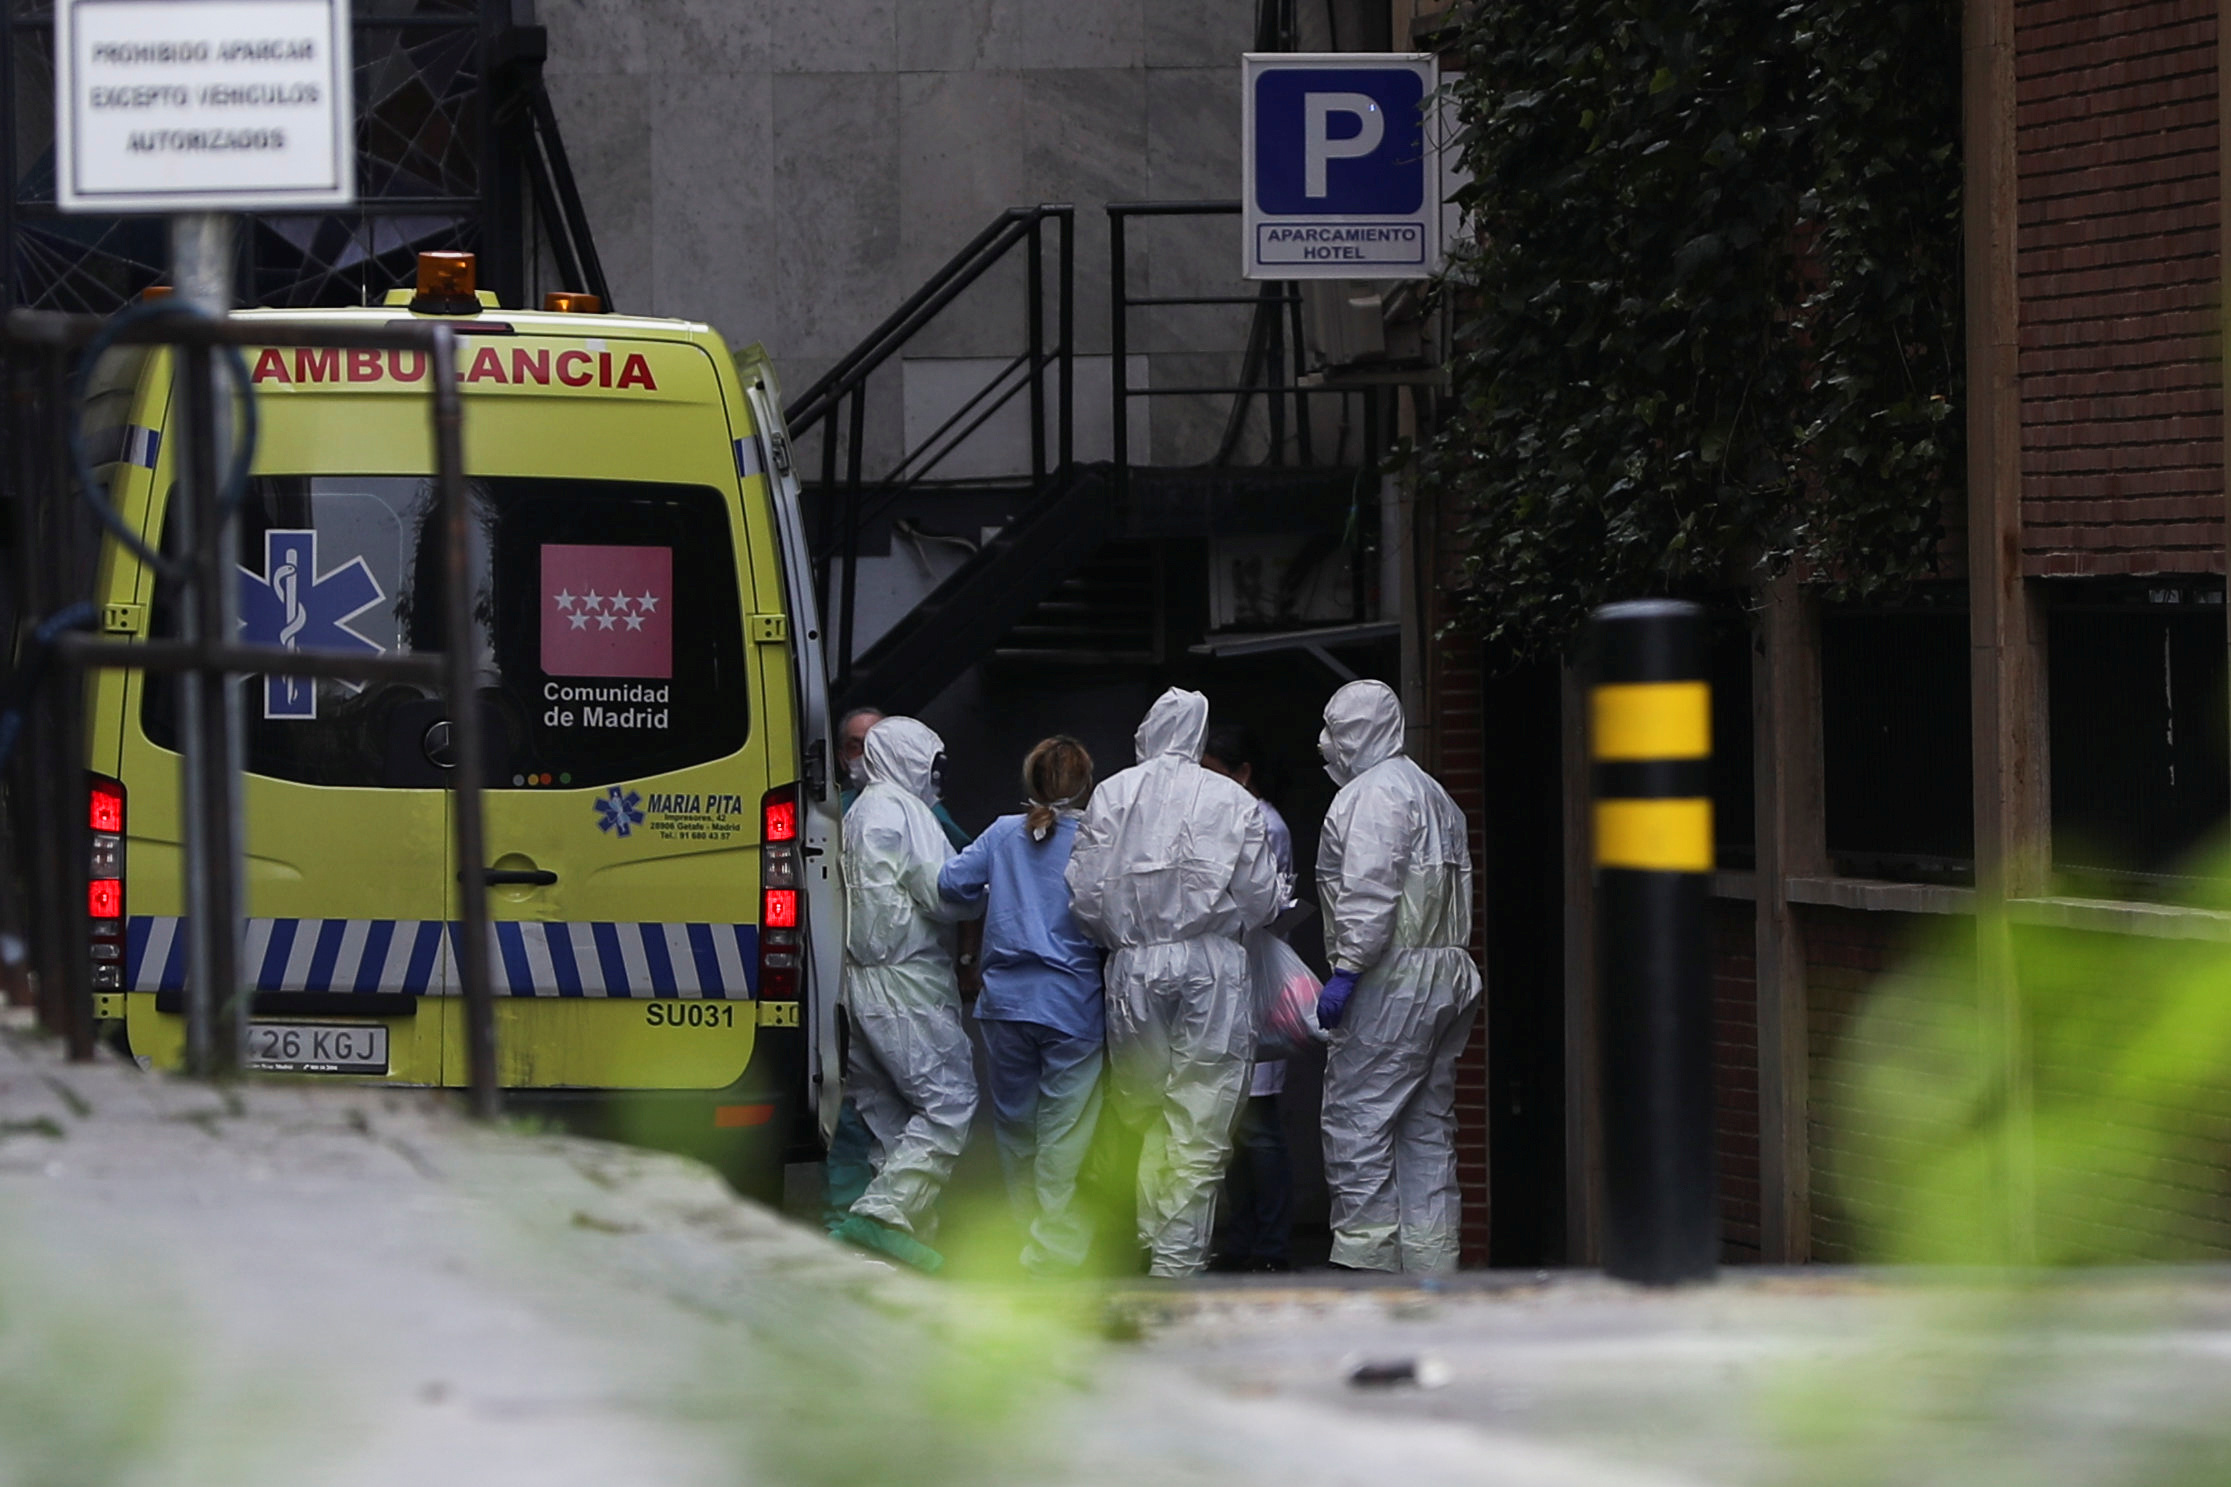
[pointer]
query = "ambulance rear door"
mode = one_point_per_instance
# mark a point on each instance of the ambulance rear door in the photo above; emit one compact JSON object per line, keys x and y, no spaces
{"x":823,"y":824}
{"x":347,"y":822}
{"x":628,"y":751}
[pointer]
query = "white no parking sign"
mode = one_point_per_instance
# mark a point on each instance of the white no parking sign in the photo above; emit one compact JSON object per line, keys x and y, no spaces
{"x":1340,"y":181}
{"x":202,"y":105}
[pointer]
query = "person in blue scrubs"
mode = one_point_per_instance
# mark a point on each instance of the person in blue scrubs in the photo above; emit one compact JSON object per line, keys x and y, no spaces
{"x":1041,"y":1011}
{"x":851,"y":1160}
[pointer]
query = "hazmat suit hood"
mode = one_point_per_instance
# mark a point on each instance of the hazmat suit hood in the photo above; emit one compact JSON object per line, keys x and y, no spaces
{"x":905,"y":753}
{"x":1363,"y":727}
{"x":1176,"y":724}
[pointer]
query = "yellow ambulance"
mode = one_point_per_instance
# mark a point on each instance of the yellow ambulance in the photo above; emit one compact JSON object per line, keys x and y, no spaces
{"x":661,"y":811}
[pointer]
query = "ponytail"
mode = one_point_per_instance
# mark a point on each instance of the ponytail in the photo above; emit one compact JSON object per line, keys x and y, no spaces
{"x":1057,"y":778}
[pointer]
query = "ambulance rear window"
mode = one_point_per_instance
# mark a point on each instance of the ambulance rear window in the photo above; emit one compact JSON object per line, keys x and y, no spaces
{"x":607,"y":629}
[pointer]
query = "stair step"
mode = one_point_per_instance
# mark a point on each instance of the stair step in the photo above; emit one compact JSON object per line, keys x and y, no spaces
{"x":1067,"y":657}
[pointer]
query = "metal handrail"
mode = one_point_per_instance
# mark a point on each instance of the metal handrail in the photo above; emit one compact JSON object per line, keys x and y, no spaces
{"x":1277,"y":321}
{"x":836,"y":403}
{"x":961,"y":270}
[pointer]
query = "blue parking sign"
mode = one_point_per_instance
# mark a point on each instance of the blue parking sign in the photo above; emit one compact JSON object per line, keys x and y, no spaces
{"x":1342,"y":180}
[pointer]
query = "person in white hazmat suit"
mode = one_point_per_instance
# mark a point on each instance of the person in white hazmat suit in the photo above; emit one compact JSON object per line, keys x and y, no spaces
{"x":909,"y":1071}
{"x":1171,"y":866}
{"x":1394,"y":876}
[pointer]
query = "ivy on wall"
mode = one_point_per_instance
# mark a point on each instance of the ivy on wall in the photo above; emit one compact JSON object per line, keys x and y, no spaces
{"x":1711,"y":323}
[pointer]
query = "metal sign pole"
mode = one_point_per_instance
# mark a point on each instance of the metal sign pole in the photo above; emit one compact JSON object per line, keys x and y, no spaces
{"x":210,"y":755}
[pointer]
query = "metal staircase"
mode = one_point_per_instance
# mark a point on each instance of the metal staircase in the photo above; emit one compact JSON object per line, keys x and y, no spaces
{"x":1063,"y":507}
{"x":976,"y":609}
{"x":1070,"y":571}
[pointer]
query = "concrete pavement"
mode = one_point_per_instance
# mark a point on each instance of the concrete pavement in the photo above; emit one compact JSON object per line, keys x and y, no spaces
{"x":293,"y":1283}
{"x":299,"y":1283}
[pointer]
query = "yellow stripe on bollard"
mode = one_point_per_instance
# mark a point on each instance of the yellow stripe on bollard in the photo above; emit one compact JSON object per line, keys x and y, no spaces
{"x":1652,"y":720}
{"x":1655,"y":836}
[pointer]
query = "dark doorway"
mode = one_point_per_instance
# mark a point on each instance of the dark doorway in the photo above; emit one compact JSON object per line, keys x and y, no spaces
{"x":1522,"y":875}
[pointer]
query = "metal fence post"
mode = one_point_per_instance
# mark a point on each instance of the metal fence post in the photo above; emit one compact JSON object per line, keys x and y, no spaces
{"x":54,"y":914}
{"x":464,"y":727}
{"x":1650,"y":739}
{"x":209,"y":751}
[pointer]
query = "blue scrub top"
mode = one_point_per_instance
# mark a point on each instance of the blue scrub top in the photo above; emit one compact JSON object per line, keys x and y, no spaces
{"x":1039,"y":966}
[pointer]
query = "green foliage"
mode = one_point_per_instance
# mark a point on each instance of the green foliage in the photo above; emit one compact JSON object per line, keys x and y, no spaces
{"x":1711,"y":325}
{"x":2099,"y":1140}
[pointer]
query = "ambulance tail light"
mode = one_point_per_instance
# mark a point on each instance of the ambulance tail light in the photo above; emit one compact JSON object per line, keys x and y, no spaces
{"x":104,"y":895}
{"x":780,"y":933}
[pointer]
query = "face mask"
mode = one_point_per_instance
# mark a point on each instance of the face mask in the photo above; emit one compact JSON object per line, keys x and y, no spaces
{"x":1326,"y":752}
{"x":856,"y":772}
{"x":937,"y":779}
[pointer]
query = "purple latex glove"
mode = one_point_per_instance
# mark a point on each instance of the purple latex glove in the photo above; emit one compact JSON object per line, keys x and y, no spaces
{"x":1332,"y":1002}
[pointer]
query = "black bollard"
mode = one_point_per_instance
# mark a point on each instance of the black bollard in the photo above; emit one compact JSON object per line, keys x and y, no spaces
{"x":1650,"y":737}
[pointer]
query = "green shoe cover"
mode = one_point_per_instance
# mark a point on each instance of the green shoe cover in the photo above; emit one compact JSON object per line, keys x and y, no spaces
{"x":865,"y":1233}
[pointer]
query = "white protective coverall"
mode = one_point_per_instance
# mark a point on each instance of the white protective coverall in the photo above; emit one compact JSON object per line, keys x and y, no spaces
{"x":909,"y":1072}
{"x":1171,"y":866}
{"x":1394,"y":875}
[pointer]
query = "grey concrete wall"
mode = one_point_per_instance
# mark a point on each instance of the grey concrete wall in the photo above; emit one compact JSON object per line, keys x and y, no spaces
{"x":790,"y":170}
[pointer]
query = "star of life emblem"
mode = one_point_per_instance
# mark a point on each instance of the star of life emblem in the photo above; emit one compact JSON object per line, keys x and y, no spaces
{"x":619,"y":811}
{"x":292,"y":604}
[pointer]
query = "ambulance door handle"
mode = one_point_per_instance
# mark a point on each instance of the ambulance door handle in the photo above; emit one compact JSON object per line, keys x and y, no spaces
{"x":516,"y":877}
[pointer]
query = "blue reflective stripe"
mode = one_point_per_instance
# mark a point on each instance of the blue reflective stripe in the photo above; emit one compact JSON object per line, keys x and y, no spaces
{"x":376,"y":941}
{"x":586,"y":959}
{"x":327,"y":951}
{"x":512,"y":946}
{"x":274,"y":971}
{"x":420,"y":973}
{"x":608,"y":958}
{"x":654,"y":953}
{"x":561,"y":960}
{"x":708,"y":960}
{"x":136,"y":933}
{"x":174,"y":965}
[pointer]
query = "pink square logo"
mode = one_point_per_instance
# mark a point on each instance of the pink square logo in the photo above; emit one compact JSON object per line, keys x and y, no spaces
{"x":607,"y":611}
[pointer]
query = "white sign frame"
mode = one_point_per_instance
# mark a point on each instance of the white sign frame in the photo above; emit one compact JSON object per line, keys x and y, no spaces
{"x":92,"y":174}
{"x":1410,"y":244}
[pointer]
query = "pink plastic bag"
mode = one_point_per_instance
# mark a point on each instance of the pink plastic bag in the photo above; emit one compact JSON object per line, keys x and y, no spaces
{"x":1285,"y":995}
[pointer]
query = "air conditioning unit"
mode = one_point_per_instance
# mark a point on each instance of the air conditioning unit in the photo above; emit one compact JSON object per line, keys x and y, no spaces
{"x":1363,"y":324}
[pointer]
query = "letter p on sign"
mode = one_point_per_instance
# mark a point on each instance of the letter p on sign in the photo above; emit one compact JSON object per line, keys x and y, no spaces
{"x":1318,"y":145}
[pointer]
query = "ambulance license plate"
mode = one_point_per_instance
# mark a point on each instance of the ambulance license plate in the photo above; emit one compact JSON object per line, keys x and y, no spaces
{"x":318,"y":1047}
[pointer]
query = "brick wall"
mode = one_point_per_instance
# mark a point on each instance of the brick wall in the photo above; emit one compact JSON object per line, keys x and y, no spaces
{"x":1456,"y":754}
{"x":1458,"y":762}
{"x":2130,"y":1166}
{"x":1735,"y":1076}
{"x":1847,"y":954}
{"x":2121,"y":388}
